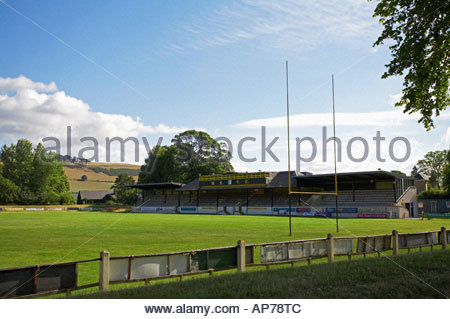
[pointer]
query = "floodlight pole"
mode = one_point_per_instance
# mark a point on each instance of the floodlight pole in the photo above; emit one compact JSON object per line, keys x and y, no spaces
{"x":289,"y":150}
{"x":335,"y":162}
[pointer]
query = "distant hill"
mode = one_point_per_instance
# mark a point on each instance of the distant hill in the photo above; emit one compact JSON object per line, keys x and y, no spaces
{"x":100,"y":176}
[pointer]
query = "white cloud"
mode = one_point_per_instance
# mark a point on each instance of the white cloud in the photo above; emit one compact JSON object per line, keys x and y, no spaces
{"x":365,"y":119}
{"x":239,"y":166}
{"x":22,"y":82}
{"x":34,"y":113}
{"x":284,"y":24}
{"x":27,"y":112}
{"x":391,"y":124}
{"x":395,"y":98}
{"x":446,"y":137}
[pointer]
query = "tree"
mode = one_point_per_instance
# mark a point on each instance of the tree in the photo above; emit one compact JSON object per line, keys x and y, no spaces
{"x":17,"y":161}
{"x":79,"y":199}
{"x":124,"y":194}
{"x":108,"y":198}
{"x":49,"y":182}
{"x":83,"y":178}
{"x":66,"y":198}
{"x":200,"y":154}
{"x":9,"y":192}
{"x":38,"y":174}
{"x":162,"y":165}
{"x":127,"y":197}
{"x":446,"y":178}
{"x":420,"y":30}
{"x":433,"y":164}
{"x":191,"y":154}
{"x":414,"y":171}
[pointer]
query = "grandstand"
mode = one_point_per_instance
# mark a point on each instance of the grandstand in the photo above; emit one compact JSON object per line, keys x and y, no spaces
{"x":371,"y":194}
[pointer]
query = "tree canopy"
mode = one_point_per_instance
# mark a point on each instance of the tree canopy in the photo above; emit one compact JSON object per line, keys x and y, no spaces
{"x":191,"y":154}
{"x":446,"y":178}
{"x":79,"y":199}
{"x":32,"y":176}
{"x":433,"y":164}
{"x":420,"y":30}
{"x":124,"y":194}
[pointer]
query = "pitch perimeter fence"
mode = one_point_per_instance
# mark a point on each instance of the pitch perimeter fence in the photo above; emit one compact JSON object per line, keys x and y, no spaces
{"x":40,"y":280}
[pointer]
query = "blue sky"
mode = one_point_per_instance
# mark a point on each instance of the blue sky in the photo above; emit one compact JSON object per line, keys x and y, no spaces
{"x":150,"y":68}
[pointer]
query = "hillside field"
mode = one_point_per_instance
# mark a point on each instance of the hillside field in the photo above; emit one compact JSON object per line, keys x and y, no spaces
{"x":30,"y":238}
{"x":100,"y":176}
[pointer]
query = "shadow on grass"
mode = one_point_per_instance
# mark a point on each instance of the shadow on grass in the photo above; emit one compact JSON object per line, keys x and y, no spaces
{"x":419,"y":275}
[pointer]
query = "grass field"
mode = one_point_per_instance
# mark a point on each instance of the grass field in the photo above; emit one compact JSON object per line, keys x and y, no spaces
{"x":76,"y":186}
{"x":46,"y":237}
{"x":95,"y":180}
{"x":428,"y":276}
{"x":114,"y":165}
{"x":31,"y":238}
{"x":74,"y":173}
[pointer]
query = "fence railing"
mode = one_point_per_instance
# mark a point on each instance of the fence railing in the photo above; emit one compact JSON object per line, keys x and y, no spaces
{"x":41,"y":280}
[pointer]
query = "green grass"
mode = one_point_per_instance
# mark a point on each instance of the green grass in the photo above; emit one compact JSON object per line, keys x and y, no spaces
{"x":76,"y":186}
{"x":116,"y":171}
{"x":49,"y":237}
{"x":427,"y":276}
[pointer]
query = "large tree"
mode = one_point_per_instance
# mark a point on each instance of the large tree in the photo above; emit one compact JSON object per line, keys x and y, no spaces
{"x":49,"y":181}
{"x":200,"y":154}
{"x":17,"y":162}
{"x":191,"y":154}
{"x":162,"y":165}
{"x":9,"y":192}
{"x":123,"y":193}
{"x":446,"y":178}
{"x":433,"y":164}
{"x":38,"y":175}
{"x":420,"y":31}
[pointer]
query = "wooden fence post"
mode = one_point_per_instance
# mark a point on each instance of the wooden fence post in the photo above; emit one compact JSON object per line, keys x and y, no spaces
{"x":444,"y":237}
{"x":330,"y":248}
{"x":395,"y":242}
{"x":241,"y":256}
{"x":103,"y":280}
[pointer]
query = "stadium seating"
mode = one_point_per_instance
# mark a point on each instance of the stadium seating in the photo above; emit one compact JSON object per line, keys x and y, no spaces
{"x":280,"y":199}
{"x":159,"y":200}
{"x":362,"y":198}
{"x":260,"y":200}
{"x":188,"y":199}
{"x":207,"y":199}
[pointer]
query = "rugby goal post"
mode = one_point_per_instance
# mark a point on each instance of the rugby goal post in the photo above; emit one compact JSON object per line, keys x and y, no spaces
{"x":335,"y":193}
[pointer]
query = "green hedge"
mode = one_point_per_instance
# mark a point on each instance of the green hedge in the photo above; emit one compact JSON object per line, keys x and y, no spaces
{"x":115,"y":171}
{"x":434,"y":194}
